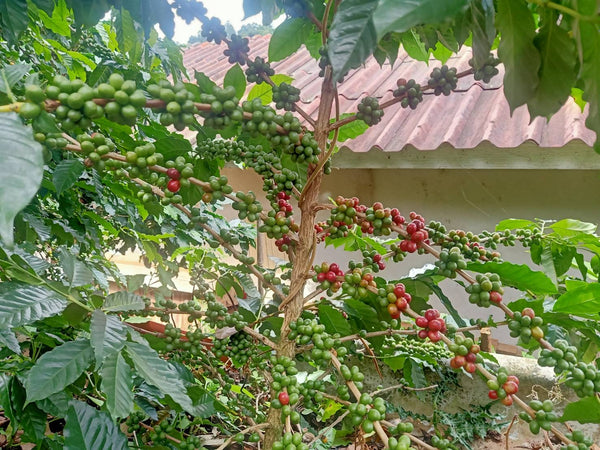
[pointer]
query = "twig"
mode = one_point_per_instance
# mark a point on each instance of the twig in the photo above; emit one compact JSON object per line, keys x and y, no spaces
{"x":405,"y":387}
{"x":507,"y":432}
{"x":170,"y":438}
{"x":229,"y":440}
{"x":329,"y":427}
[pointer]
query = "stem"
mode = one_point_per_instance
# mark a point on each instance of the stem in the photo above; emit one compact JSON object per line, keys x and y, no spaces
{"x":260,"y":426}
{"x":565,"y":10}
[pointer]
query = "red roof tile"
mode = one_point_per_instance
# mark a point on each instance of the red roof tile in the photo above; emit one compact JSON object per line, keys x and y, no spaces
{"x":474,"y":114}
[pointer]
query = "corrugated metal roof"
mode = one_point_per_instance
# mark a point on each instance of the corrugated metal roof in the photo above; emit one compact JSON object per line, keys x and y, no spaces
{"x":474,"y":114}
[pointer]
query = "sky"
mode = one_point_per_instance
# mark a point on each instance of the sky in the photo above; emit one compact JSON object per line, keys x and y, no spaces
{"x":227,"y":10}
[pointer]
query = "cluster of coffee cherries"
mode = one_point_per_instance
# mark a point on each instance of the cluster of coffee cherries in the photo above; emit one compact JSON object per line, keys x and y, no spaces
{"x":544,"y":416}
{"x":417,"y":233}
{"x":433,"y":326}
{"x":247,"y":206}
{"x":487,"y":71}
{"x":416,"y":348}
{"x":223,"y":107}
{"x":369,"y":111}
{"x":503,"y":387}
{"x":410,"y":91}
{"x":216,"y":190}
{"x":371,"y":260}
{"x":218,"y":317}
{"x":290,"y":441}
{"x":285,"y":96}
{"x":239,"y":348}
{"x":285,"y":386}
{"x":403,"y":442}
{"x":191,"y":443}
{"x":395,"y":298}
{"x":443,"y":80}
{"x":397,"y":254}
{"x":327,"y":275}
{"x":466,"y":354}
{"x":358,"y":281}
{"x":486,"y":290}
{"x":526,"y":325}
{"x":34,"y":96}
{"x":312,"y":391}
{"x":584,"y":379}
{"x":256,"y":69}
{"x":450,"y":261}
{"x":366,"y":411}
{"x":277,"y":224}
{"x":352,"y":374}
{"x":581,"y":442}
{"x":442,"y":443}
{"x":179,"y":107}
{"x":95,"y":147}
{"x":237,"y":49}
{"x":379,"y":220}
{"x":562,"y":357}
{"x":305,"y":331}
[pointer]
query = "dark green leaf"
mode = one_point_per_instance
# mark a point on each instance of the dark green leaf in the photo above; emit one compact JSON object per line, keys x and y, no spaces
{"x":392,"y":15}
{"x":55,"y":405}
{"x":586,"y":410}
{"x":519,"y":276}
{"x":57,"y":369}
{"x":484,"y":32}
{"x":447,"y":304}
{"x":13,"y":74}
{"x":45,"y":123}
{"x":557,"y":70}
{"x":205,"y":84}
{"x":589,"y":47}
{"x":13,"y":14}
{"x":117,"y":384}
{"x":204,"y":401}
{"x":20,"y":154}
{"x":583,"y":301}
{"x":352,"y":37}
{"x":517,"y":52}
{"x":66,"y":173}
{"x":288,"y":37}
{"x":76,"y":271}
{"x":235,"y":77}
{"x":334,"y":320}
{"x":107,"y":335}
{"x":22,"y":304}
{"x":86,"y":428}
{"x":9,"y":340}
{"x":123,"y":301}
{"x":157,"y":372}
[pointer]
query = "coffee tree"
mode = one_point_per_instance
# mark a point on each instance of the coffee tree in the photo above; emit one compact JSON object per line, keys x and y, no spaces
{"x":93,"y":162}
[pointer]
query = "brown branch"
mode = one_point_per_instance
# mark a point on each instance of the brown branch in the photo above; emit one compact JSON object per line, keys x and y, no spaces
{"x":228,"y":441}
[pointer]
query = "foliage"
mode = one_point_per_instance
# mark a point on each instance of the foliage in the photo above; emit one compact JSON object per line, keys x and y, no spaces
{"x":90,"y":106}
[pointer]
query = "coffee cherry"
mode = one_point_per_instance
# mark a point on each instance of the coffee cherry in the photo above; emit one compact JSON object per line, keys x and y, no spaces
{"x":284,"y":398}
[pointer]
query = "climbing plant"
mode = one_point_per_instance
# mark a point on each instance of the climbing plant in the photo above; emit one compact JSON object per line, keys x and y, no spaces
{"x":97,"y":114}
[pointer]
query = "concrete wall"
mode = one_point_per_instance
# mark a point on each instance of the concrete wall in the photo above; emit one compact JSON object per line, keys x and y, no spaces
{"x":470,"y":199}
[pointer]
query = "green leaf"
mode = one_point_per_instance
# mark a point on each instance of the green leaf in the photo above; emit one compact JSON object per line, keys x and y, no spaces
{"x":158,"y":373}
{"x":484,"y":32}
{"x":571,"y":227}
{"x":392,"y":15}
{"x":13,"y":73}
{"x":519,"y":276}
{"x":117,"y":384}
{"x":447,"y":303}
{"x":557,"y":71}
{"x":235,"y":77}
{"x":589,"y":47}
{"x":14,"y":18}
{"x":288,"y":37}
{"x":334,"y":320}
{"x":107,"y":335}
{"x":414,"y":47}
{"x":57,"y":369}
{"x":205,"y":84}
{"x":581,"y":301}
{"x":123,"y":301}
{"x":586,"y":410}
{"x":59,"y":21}
{"x":22,"y":304}
{"x":66,"y":173}
{"x":20,"y":155}
{"x":55,"y":405}
{"x":76,"y":271}
{"x":86,"y":428}
{"x":350,"y":130}
{"x":352,"y":37}
{"x":264,"y":91}
{"x":413,"y":373}
{"x":9,"y":339}
{"x":515,"y":224}
{"x":517,"y":52}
